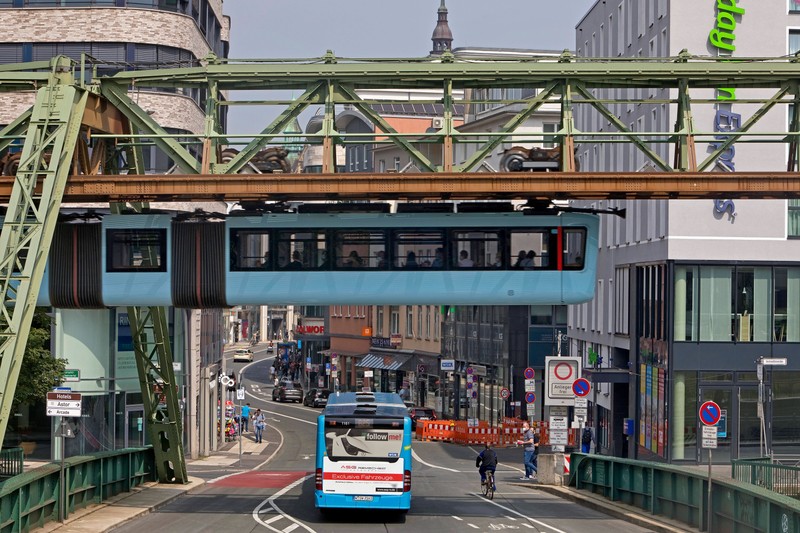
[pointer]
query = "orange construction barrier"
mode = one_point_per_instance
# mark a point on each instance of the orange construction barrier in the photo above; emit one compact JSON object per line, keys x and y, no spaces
{"x":435,"y":430}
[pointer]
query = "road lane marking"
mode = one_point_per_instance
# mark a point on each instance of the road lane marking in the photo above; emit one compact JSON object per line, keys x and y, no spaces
{"x":528,"y":525}
{"x":516,"y":513}
{"x":289,"y":528}
{"x":458,"y":518}
{"x":273,"y":519}
{"x":271,"y":502}
{"x":473,"y":526}
{"x":418,"y":458}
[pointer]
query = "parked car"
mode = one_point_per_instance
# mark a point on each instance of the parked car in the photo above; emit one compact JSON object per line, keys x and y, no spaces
{"x":316,"y":398}
{"x":420,"y":413}
{"x":286,"y":391}
{"x":243,"y":355}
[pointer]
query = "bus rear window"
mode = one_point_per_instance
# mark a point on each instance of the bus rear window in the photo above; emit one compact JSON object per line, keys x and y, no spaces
{"x":352,"y":440}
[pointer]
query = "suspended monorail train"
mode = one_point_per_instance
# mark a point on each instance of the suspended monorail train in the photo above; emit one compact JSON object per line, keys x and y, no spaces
{"x":354,"y":258}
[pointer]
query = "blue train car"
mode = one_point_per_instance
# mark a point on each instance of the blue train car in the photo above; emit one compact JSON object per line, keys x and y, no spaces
{"x":505,"y":258}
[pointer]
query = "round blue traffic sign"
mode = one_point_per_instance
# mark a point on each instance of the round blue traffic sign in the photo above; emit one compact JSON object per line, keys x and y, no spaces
{"x":530,"y":397}
{"x":581,"y":387}
{"x":474,"y":394}
{"x":529,"y":373}
{"x":469,"y":371}
{"x":710,"y":413}
{"x":469,"y":384}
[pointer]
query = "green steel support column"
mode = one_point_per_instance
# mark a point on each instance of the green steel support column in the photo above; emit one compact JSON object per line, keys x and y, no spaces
{"x":329,"y":130}
{"x":794,"y":130}
{"x":29,"y":223}
{"x":151,"y":337}
{"x":447,"y":149}
{"x":209,"y":154}
{"x":159,"y":391}
{"x":567,"y":140}
{"x":685,"y":157}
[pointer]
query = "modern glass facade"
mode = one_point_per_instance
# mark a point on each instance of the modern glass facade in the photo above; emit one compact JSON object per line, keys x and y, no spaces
{"x":732,"y":303}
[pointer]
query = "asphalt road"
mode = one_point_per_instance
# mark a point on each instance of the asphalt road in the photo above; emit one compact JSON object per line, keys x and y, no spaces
{"x":273,"y":489}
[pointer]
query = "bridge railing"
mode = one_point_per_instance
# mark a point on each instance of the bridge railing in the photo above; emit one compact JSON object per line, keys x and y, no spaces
{"x":32,"y":499}
{"x":11,"y":462}
{"x":682,"y":495}
{"x":774,"y":476}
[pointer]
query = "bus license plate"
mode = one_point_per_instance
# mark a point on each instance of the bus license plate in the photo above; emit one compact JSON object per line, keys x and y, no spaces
{"x":362,"y":498}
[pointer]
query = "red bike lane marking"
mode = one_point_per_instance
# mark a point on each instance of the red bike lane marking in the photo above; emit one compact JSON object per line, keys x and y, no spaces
{"x":260,"y":479}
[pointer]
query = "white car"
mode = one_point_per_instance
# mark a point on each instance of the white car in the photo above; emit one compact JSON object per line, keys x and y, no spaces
{"x":243,"y":355}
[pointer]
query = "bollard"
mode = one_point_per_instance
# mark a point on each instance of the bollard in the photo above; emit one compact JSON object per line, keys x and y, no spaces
{"x":551,"y":468}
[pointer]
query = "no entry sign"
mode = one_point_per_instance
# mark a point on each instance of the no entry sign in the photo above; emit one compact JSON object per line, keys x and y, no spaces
{"x":710,"y":413}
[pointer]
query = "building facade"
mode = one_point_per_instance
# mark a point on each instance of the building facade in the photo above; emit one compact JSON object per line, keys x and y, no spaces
{"x":690,"y":294}
{"x":125,"y":35}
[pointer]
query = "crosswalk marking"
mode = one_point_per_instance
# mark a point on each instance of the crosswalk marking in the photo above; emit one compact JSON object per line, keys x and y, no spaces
{"x":274,"y":519}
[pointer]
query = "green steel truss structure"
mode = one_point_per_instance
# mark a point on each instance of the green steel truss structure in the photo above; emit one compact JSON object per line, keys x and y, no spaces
{"x":54,"y":146}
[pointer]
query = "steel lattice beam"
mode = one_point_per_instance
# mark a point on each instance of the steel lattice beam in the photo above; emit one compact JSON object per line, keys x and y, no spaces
{"x":29,"y":223}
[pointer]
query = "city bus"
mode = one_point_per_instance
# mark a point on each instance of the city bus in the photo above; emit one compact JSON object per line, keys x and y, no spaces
{"x":363,"y":453}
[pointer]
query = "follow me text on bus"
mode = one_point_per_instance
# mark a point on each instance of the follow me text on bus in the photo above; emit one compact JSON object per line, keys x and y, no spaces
{"x":364,"y":452}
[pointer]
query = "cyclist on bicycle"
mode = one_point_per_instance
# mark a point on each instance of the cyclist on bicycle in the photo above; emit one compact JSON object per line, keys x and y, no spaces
{"x":486,"y":460}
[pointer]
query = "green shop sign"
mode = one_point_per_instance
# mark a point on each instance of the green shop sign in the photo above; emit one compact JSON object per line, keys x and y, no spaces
{"x":723,"y":36}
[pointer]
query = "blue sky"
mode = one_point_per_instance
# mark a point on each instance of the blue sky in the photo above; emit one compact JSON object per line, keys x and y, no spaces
{"x":382,"y":28}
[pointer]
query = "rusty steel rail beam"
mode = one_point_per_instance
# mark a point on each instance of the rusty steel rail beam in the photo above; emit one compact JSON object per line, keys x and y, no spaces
{"x":427,"y":186}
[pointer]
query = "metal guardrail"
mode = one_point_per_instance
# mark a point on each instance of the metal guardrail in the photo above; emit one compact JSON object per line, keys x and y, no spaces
{"x":681,"y":495}
{"x":31,"y":499}
{"x":763,"y":472}
{"x":11,"y":462}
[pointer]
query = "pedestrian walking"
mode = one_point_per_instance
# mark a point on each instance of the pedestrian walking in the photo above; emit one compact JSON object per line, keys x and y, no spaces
{"x":246,"y":418}
{"x":586,"y":440}
{"x":259,"y":423}
{"x":530,"y":440}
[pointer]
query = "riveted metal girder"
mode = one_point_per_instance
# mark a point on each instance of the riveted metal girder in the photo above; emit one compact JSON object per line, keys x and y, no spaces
{"x":491,"y":73}
{"x":29,"y":223}
{"x":430,"y":186}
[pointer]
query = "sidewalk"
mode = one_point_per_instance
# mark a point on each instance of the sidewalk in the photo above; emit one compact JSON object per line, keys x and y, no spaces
{"x":147,"y":497}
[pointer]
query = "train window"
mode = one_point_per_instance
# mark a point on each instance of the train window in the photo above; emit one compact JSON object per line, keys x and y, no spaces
{"x":418,"y":249}
{"x":531,"y":248}
{"x":476,"y":249}
{"x":360,"y":249}
{"x":250,"y":250}
{"x":136,"y":250}
{"x":574,"y":248}
{"x":301,"y":250}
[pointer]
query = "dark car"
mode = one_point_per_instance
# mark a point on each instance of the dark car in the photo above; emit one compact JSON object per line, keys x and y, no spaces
{"x":420,"y":413}
{"x":286,"y":391}
{"x":316,"y":398}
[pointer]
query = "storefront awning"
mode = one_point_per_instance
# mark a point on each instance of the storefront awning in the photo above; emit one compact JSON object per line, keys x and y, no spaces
{"x":383,"y":362}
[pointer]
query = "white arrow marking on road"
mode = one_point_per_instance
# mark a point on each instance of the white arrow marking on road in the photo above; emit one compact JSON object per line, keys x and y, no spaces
{"x":271,"y":502}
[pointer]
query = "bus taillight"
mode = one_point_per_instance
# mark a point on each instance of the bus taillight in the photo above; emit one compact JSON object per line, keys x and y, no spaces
{"x":318,"y":478}
{"x":407,"y":481}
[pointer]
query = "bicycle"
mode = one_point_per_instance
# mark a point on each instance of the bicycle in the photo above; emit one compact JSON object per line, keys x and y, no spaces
{"x":488,"y":487}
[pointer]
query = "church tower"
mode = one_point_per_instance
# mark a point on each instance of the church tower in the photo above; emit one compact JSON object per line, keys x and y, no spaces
{"x":442,"y":36}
